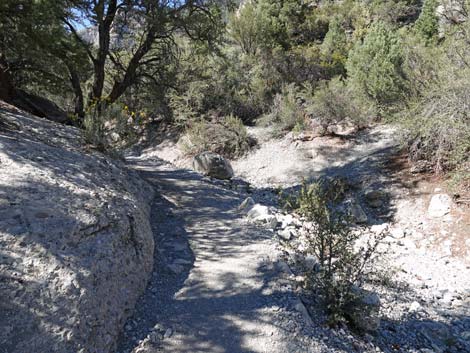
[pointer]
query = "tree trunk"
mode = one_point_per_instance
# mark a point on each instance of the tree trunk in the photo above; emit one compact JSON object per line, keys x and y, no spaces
{"x":105,"y":22}
{"x":77,"y":89}
{"x":6,"y":86}
{"x":130,"y":75}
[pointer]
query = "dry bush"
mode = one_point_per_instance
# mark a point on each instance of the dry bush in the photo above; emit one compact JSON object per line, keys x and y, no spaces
{"x":286,"y":112}
{"x":334,"y":102}
{"x":437,"y":120}
{"x":227,"y":137}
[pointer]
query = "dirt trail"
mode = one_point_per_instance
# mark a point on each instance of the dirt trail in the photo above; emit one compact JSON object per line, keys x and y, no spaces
{"x":284,"y":162}
{"x":216,"y":286}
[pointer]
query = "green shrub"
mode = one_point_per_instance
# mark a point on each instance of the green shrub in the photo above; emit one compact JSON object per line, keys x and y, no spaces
{"x":257,"y":26}
{"x":286,"y":112}
{"x":113,"y":127}
{"x":427,"y":24}
{"x":343,"y":268}
{"x":334,"y":102}
{"x":436,"y":123}
{"x":335,"y":47}
{"x":227,"y":137}
{"x":375,"y":68}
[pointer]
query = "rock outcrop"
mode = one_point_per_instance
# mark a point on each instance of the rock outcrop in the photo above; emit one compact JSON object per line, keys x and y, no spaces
{"x":76,"y":245}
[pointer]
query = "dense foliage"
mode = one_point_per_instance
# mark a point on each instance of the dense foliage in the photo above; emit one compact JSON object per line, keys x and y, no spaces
{"x":284,"y":63}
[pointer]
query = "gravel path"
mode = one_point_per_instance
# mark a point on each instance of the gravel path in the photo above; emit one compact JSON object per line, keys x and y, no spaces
{"x":216,"y":285}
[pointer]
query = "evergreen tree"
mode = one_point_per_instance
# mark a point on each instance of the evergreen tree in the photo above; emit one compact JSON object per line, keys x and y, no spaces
{"x":374,"y":66}
{"x":427,"y":24}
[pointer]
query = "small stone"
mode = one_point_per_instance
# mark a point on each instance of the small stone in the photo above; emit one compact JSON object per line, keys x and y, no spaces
{"x":168,"y":333}
{"x":258,"y":211}
{"x":397,"y":233}
{"x":286,"y":220}
{"x":246,"y":205}
{"x":263,"y":215}
{"x":439,"y":206}
{"x":154,"y":337}
{"x":375,"y":198}
{"x":356,"y":212}
{"x":379,"y":228}
{"x":415,"y":306}
{"x":285,"y":234}
{"x":213,"y":165}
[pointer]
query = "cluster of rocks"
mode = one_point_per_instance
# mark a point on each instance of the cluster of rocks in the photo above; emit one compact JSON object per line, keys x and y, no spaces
{"x":318,"y":128}
{"x":432,"y":298}
{"x":293,"y":231}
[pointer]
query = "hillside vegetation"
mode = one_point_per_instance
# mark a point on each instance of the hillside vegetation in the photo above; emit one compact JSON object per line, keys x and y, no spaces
{"x":293,"y":64}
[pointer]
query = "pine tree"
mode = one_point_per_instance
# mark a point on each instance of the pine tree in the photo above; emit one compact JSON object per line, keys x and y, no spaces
{"x":427,"y":24}
{"x":375,"y":65}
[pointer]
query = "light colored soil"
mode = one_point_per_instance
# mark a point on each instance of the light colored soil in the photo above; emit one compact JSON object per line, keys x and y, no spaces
{"x":283,"y":162}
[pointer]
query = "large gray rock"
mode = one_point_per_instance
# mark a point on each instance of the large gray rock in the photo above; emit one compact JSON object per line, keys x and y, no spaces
{"x":38,"y":106}
{"x":364,"y":312}
{"x":213,"y":165}
{"x":76,"y":245}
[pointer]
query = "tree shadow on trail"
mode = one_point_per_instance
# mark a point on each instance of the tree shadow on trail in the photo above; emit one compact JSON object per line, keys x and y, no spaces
{"x":212,"y":309}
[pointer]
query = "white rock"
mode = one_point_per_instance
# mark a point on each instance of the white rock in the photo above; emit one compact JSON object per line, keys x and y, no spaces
{"x":263,"y":215}
{"x":439,"y":206}
{"x":415,"y":306}
{"x":397,"y":233}
{"x":286,"y":234}
{"x":286,"y":220}
{"x":246,"y":205}
{"x":258,"y":211}
{"x":379,"y":228}
{"x":271,"y":222}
